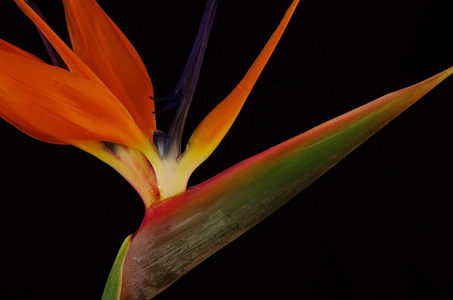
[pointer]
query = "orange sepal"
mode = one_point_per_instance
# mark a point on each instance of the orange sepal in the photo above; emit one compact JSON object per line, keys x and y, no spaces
{"x":52,"y":104}
{"x":74,"y":63}
{"x":24,"y":126}
{"x":210,"y":132}
{"x":5,"y":46}
{"x":110,"y":55}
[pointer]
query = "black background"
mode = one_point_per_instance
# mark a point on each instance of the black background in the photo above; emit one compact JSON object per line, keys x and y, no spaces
{"x":377,"y":226}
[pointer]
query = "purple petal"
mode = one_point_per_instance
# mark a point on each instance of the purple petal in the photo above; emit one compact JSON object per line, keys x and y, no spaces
{"x":182,"y":95}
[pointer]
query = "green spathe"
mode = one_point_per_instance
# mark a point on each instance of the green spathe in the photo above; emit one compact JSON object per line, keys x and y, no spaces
{"x":112,"y":288}
{"x":184,"y":230}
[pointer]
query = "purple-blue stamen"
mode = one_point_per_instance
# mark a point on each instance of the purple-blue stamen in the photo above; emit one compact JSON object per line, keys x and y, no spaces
{"x":55,"y":58}
{"x":182,"y":95}
{"x":170,"y":102}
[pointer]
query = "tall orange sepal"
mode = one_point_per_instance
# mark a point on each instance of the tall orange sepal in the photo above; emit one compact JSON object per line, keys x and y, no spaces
{"x":5,"y":46}
{"x":74,"y":63}
{"x":210,"y":132}
{"x":108,"y":53}
{"x":52,"y":104}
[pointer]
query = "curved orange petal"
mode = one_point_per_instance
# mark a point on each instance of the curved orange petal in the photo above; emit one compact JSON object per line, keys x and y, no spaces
{"x":5,"y":46}
{"x":24,"y":126}
{"x":210,"y":132}
{"x":47,"y":101}
{"x":106,"y":51}
{"x":74,"y":63}
{"x":15,"y":119}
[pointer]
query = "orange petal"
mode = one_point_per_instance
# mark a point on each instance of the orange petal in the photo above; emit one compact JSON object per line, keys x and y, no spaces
{"x":5,"y":46}
{"x":47,"y":101}
{"x":106,"y":51}
{"x":216,"y":124}
{"x":25,"y":126}
{"x":28,"y":128}
{"x":74,"y":63}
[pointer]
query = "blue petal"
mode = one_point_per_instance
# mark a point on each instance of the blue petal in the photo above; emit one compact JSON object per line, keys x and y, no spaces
{"x":182,"y":95}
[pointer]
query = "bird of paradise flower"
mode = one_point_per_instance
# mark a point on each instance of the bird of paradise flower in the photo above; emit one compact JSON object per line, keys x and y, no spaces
{"x":95,"y":104}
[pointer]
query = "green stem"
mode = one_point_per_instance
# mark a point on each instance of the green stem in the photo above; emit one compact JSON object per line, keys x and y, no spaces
{"x":112,"y":288}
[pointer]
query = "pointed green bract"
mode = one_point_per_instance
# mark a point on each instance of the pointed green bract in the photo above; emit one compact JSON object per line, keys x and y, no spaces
{"x":183,"y":231}
{"x":112,"y":288}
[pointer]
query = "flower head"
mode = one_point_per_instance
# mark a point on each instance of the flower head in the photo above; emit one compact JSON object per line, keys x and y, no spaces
{"x":102,"y":95}
{"x":98,"y":96}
